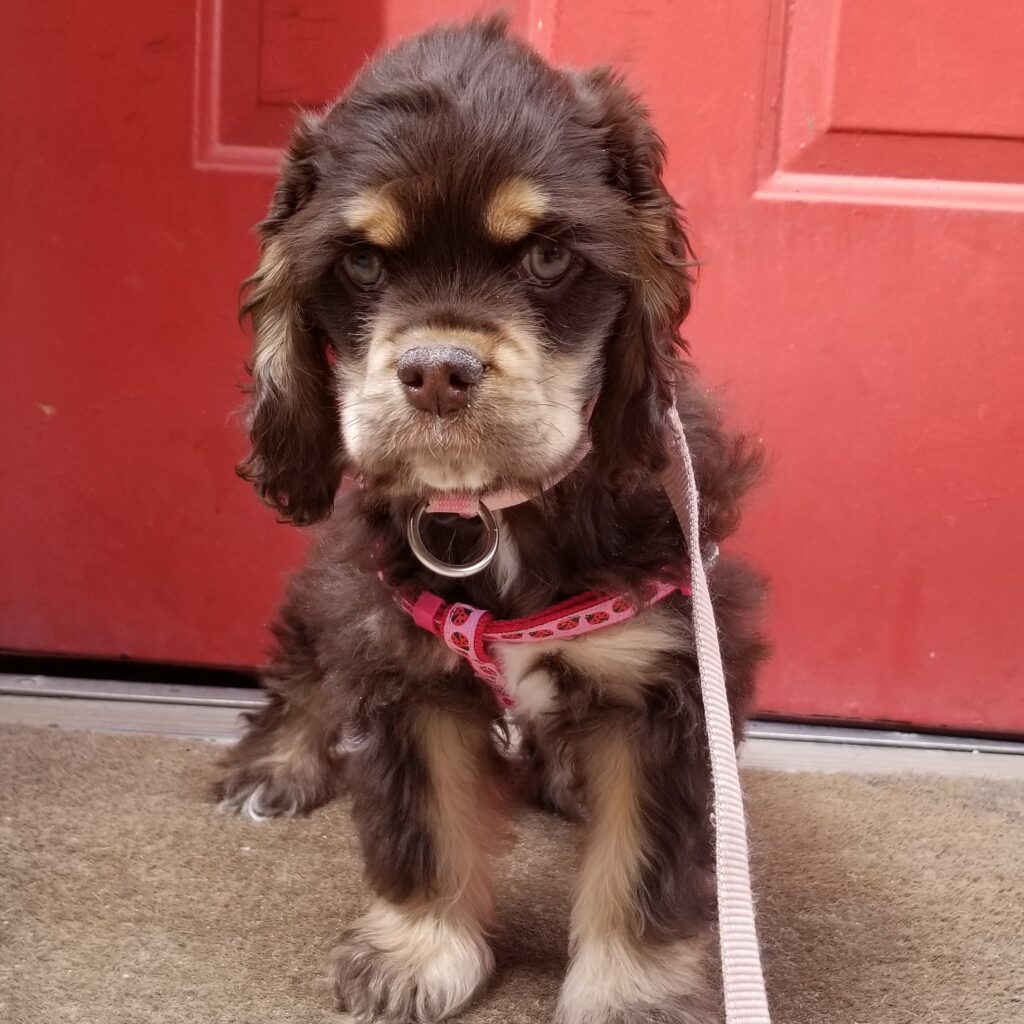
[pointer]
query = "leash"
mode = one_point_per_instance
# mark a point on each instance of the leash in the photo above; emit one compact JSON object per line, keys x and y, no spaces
{"x":746,"y":1001}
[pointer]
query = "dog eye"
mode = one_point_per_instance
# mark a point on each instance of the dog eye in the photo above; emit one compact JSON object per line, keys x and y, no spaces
{"x":365,"y":266}
{"x":546,"y":261}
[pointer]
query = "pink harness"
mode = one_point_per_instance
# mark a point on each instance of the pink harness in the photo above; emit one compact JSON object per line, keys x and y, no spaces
{"x":470,"y":631}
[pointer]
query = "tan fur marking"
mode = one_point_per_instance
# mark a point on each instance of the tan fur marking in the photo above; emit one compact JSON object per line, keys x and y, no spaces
{"x":466,"y":454}
{"x":534,"y":693}
{"x":613,"y":861}
{"x":377,"y":216}
{"x":465,"y":813}
{"x":618,"y":658}
{"x":657,"y":286}
{"x":274,"y":318}
{"x":515,"y":209}
{"x":611,"y":968}
{"x":297,"y":741}
{"x":507,"y":564}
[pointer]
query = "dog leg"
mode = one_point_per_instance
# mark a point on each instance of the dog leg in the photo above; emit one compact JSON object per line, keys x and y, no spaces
{"x":286,"y":762}
{"x":428,"y":803}
{"x":548,"y":774}
{"x":645,"y":897}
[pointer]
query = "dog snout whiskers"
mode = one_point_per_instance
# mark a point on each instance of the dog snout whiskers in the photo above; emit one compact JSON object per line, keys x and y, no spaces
{"x":439,"y":378}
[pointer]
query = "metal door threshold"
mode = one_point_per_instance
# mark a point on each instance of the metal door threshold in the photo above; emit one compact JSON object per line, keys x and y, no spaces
{"x":212,"y":713}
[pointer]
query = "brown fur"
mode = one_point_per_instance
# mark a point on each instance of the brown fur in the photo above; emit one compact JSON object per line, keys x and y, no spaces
{"x":426,"y":770}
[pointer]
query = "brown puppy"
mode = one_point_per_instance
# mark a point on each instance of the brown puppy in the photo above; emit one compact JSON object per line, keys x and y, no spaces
{"x":463,"y":253}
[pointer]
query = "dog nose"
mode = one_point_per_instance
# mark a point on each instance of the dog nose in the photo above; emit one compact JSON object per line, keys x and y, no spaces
{"x":439,"y":378}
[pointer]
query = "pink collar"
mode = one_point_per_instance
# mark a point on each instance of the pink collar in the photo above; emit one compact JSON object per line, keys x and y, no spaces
{"x":467,"y":503}
{"x":471,"y":632}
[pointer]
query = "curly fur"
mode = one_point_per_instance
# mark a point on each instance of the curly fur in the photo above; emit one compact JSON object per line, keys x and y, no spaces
{"x":426,"y":138}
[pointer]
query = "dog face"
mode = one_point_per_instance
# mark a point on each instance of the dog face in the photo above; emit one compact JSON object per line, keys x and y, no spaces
{"x":461,"y":254}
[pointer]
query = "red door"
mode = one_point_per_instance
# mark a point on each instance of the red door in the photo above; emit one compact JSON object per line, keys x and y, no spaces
{"x":853,"y":173}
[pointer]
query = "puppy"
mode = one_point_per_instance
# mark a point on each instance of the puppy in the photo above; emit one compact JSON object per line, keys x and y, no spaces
{"x":471,"y":274}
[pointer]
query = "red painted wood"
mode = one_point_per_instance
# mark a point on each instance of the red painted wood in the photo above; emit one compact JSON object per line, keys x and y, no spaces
{"x":307,"y":48}
{"x":123,"y":531}
{"x":859,"y":210}
{"x":943,"y":67}
{"x":865,"y":90}
{"x":869,"y":329}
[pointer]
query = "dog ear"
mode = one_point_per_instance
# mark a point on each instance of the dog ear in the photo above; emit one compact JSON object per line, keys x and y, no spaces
{"x":641,"y":358}
{"x":295,"y":464}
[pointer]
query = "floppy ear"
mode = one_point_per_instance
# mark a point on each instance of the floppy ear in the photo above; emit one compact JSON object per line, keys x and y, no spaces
{"x":295,"y":462}
{"x":641,"y":358}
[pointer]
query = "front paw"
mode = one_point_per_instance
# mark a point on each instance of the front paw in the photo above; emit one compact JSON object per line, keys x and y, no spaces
{"x":267,"y":787}
{"x":398,"y":966}
{"x":614,"y":981}
{"x":678,"y":1010}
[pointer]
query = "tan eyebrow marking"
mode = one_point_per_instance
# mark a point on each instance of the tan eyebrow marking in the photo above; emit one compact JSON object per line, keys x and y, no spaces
{"x":378,"y":216}
{"x":514,"y":210}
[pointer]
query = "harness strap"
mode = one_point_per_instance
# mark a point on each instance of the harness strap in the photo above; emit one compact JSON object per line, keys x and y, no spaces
{"x":469,"y":631}
{"x":746,"y":1001}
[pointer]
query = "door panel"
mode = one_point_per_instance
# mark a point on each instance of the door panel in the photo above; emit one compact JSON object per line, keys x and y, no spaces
{"x":911,"y":90}
{"x":866,"y":326}
{"x":927,"y":68}
{"x":126,"y":534}
{"x":854,"y":181}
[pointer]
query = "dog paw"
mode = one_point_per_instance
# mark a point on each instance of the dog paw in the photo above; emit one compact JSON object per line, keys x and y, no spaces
{"x":680,"y":1010}
{"x":263,"y":789}
{"x":394,"y":966}
{"x":618,"y":981}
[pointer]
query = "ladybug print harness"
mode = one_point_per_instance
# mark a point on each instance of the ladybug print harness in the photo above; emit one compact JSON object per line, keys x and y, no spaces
{"x":470,"y":631}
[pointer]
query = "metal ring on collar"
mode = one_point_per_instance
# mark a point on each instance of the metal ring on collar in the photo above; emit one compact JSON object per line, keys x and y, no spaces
{"x":413,"y":531}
